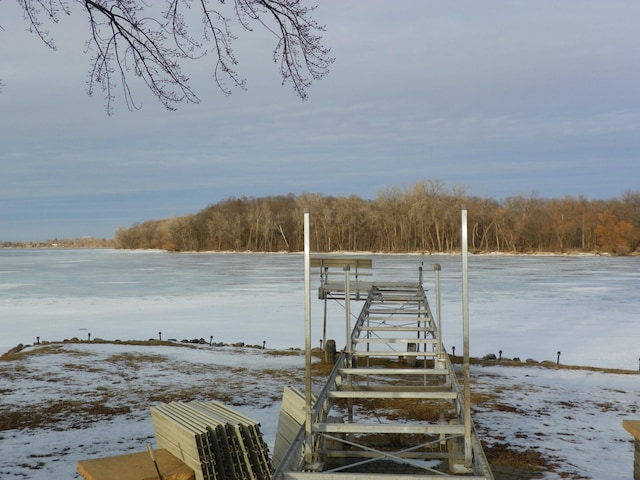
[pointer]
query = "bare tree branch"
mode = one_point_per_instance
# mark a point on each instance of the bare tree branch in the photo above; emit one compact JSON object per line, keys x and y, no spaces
{"x":135,"y":37}
{"x":33,"y":11}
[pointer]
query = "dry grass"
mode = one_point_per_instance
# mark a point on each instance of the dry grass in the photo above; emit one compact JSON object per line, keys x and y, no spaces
{"x":507,"y":462}
{"x":236,"y":386}
{"x":84,"y":404}
{"x":59,"y":414}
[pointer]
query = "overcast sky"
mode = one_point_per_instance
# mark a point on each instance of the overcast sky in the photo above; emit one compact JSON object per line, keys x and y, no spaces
{"x":504,"y":97}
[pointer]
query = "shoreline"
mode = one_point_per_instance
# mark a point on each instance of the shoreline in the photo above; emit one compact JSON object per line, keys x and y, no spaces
{"x":21,"y":350}
{"x":336,"y":253}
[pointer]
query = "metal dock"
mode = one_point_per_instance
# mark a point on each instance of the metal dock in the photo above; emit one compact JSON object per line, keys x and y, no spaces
{"x":392,"y":406}
{"x":391,"y":409}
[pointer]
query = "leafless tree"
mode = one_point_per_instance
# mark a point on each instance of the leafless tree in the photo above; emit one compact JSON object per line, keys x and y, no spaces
{"x":399,"y":220}
{"x":152,"y":40}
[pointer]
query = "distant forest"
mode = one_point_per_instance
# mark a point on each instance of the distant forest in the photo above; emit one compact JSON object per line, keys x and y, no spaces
{"x":84,"y":242}
{"x":422,"y":218}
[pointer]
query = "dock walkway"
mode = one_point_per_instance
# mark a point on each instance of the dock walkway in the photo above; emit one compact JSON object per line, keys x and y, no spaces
{"x":392,"y":406}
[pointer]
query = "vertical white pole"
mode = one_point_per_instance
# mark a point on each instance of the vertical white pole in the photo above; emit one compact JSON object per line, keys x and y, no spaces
{"x":308,"y":451}
{"x":465,"y":333}
{"x":437,"y":269}
{"x":348,"y":346}
{"x":347,"y":309}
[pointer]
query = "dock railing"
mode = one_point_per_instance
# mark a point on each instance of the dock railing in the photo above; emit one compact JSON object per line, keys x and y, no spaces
{"x":334,"y":265}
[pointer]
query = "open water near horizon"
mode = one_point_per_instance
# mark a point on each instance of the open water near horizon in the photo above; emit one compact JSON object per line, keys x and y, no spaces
{"x":586,"y":307}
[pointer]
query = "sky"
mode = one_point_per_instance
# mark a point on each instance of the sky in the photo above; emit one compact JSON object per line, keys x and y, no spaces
{"x":503,"y":98}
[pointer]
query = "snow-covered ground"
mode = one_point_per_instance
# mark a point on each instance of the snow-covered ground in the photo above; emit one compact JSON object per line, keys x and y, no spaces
{"x":572,"y":417}
{"x":76,"y":401}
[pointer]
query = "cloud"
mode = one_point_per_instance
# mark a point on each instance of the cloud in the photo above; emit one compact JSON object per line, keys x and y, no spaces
{"x":505,"y":97}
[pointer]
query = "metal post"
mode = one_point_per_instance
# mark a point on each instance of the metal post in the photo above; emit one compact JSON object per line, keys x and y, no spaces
{"x":465,"y":333}
{"x":323,"y":280}
{"x":418,"y":332}
{"x":324,"y":325}
{"x":437,"y":269}
{"x":308,"y":450}
{"x":348,"y":346}
{"x":439,"y":349}
{"x":347,"y":309}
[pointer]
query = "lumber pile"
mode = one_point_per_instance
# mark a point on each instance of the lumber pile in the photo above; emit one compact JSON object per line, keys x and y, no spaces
{"x":215,"y":441}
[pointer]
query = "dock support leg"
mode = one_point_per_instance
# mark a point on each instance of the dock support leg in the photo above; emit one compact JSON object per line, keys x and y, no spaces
{"x":465,"y":332}
{"x":308,"y":447}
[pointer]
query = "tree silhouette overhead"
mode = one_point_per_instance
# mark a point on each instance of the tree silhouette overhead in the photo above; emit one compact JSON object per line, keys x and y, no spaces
{"x":152,"y":40}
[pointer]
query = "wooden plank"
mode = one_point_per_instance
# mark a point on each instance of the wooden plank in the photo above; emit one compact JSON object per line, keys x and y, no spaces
{"x":135,"y":466}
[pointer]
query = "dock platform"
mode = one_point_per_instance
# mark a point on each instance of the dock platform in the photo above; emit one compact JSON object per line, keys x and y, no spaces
{"x":392,"y":407}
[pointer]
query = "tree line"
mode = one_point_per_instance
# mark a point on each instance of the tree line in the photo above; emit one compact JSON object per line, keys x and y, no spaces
{"x":84,"y":242}
{"x":422,"y":218}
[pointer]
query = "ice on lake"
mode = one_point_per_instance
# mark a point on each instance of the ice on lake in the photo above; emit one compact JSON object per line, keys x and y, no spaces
{"x":586,"y":307}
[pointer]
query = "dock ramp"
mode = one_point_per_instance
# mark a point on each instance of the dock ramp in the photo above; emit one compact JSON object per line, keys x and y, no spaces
{"x":392,"y":406}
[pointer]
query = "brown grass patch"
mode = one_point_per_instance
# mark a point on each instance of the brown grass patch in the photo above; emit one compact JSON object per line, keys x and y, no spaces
{"x":70,"y":413}
{"x":134,"y":360}
{"x":29,"y":351}
{"x":502,"y":455}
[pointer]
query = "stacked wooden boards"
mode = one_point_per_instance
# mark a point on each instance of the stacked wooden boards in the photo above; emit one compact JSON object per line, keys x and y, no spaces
{"x":215,"y":441}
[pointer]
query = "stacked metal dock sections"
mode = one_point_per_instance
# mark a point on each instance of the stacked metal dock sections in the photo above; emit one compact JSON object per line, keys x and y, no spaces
{"x":290,"y":421}
{"x":215,"y":441}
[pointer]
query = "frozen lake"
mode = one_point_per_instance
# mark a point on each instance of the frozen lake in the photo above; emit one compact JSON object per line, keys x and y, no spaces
{"x":587,"y":307}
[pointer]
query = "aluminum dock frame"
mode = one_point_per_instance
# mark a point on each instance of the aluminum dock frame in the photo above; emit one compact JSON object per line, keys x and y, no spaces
{"x":394,"y":361}
{"x":392,"y":407}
